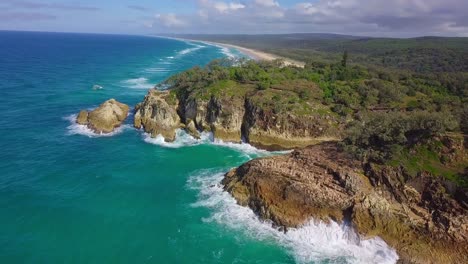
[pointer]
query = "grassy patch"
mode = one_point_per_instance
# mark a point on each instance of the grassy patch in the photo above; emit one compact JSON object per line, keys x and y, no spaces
{"x":424,"y":158}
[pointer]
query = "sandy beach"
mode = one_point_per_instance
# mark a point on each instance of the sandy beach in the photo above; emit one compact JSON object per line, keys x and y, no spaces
{"x":260,"y":55}
{"x":252,"y":53}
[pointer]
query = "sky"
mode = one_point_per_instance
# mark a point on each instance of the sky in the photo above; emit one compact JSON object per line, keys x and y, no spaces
{"x":388,"y":18}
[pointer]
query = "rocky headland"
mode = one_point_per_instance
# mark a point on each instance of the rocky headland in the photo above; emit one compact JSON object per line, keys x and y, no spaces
{"x":235,"y":117}
{"x":386,"y":168}
{"x":104,"y":119}
{"x":424,"y":217}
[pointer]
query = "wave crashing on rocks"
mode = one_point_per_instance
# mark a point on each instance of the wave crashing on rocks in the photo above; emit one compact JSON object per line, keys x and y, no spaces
{"x":315,"y":241}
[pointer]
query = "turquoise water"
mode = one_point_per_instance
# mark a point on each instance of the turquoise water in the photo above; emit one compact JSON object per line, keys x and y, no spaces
{"x":69,"y":196}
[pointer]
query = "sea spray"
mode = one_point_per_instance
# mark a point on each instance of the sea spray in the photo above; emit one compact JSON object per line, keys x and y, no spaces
{"x":77,"y":129}
{"x":183,"y":139}
{"x":314,"y":242}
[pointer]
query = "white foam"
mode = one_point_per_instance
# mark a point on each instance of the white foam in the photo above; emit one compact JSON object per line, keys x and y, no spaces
{"x":157,"y":70}
{"x":243,"y":147}
{"x":314,"y":242}
{"x":183,"y":139}
{"x":190,"y":50}
{"x":77,"y":129}
{"x":97,"y":87}
{"x":187,"y":51}
{"x":138,"y":83}
{"x":226,"y":51}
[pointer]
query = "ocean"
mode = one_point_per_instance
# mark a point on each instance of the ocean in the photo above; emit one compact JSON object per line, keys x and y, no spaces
{"x":70,"y":196}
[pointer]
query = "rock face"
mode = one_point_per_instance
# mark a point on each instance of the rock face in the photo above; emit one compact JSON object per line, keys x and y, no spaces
{"x":416,"y":216}
{"x":232,"y":118}
{"x":104,"y":119}
{"x":264,"y":128}
{"x":157,"y":115}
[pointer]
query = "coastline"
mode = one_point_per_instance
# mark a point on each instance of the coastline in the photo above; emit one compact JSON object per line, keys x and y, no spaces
{"x":251,"y":53}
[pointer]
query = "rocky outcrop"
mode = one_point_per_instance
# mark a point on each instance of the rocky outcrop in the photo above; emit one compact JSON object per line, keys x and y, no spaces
{"x":157,"y":115}
{"x":264,"y":128}
{"x":232,"y":118}
{"x":418,"y":216}
{"x":104,"y":119}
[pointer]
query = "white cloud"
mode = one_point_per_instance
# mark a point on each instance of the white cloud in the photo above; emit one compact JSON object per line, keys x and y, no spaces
{"x":358,"y":17}
{"x":267,"y":3}
{"x":221,"y":7}
{"x":170,"y":20}
{"x":226,"y":7}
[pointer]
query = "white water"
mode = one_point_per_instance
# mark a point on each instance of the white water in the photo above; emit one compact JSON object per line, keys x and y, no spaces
{"x":190,"y":50}
{"x":226,"y":51}
{"x":183,"y":139}
{"x":77,"y":129}
{"x":138,"y":83}
{"x":314,"y":242}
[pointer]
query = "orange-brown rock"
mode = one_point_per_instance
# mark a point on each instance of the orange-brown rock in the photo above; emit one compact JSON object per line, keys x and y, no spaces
{"x":417,"y":216}
{"x":104,"y":119}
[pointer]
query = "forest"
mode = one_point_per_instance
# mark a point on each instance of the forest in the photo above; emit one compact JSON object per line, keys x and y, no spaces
{"x":393,"y":112}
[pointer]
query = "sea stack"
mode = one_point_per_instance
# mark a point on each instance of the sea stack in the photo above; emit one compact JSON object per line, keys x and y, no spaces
{"x":106,"y":118}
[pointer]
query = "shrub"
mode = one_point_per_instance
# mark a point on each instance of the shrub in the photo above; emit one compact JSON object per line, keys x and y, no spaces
{"x":375,"y":136}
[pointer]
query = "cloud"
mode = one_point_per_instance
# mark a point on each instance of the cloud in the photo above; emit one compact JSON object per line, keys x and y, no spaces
{"x":20,"y":4}
{"x":170,"y":20}
{"x":25,"y":16}
{"x":401,"y":18}
{"x":138,"y":8}
{"x":267,"y":3}
{"x":221,"y":7}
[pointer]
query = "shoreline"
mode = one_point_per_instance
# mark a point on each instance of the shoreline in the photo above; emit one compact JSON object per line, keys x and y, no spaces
{"x":251,"y":53}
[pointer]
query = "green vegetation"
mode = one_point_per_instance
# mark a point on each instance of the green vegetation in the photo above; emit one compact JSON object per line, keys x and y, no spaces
{"x":427,"y":55}
{"x":379,"y":136}
{"x":273,"y":88}
{"x":397,"y":99}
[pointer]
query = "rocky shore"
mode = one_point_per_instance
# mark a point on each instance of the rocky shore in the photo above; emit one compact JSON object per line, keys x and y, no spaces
{"x":232,"y":118}
{"x":423,"y":217}
{"x":415,"y":200}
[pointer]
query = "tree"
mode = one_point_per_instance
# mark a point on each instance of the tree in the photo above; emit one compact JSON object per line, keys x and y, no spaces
{"x":375,"y":136}
{"x":344,"y":61}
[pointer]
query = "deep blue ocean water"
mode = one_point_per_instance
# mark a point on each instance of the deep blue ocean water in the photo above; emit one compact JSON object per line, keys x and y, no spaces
{"x":69,"y":196}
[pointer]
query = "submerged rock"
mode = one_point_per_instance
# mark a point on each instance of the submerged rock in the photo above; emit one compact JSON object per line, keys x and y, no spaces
{"x":416,"y":217}
{"x":104,"y":119}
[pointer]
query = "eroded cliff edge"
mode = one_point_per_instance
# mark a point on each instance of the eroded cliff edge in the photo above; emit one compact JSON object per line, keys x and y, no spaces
{"x":241,"y":116}
{"x":422,"y":217}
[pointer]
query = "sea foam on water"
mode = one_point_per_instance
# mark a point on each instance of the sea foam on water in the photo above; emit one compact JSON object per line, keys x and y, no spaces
{"x":314,"y":242}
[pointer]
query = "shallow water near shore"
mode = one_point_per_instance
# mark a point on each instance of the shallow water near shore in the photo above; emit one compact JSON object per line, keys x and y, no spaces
{"x":70,"y":196}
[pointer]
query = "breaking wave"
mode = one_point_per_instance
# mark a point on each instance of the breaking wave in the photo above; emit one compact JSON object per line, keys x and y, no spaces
{"x":314,"y":242}
{"x":183,"y":139}
{"x":77,"y":129}
{"x":138,"y":83}
{"x":190,"y":50}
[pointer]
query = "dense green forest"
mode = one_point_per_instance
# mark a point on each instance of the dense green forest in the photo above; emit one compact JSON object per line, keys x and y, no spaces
{"x":423,"y":55}
{"x":394,"y":113}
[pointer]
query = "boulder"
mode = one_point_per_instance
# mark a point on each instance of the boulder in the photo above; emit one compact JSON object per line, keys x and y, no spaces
{"x":106,"y":118}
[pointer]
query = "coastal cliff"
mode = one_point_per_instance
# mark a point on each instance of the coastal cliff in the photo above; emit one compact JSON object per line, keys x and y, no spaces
{"x":365,"y":154}
{"x":246,"y":116}
{"x":424,"y":217}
